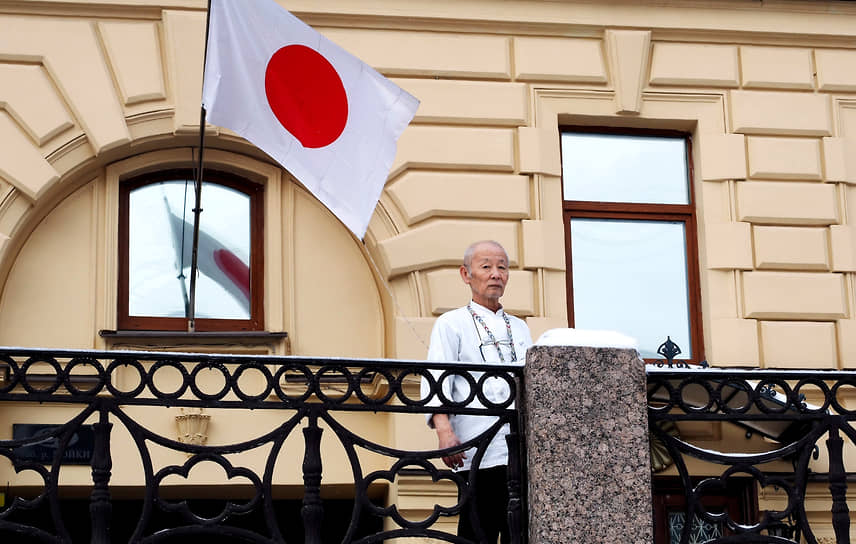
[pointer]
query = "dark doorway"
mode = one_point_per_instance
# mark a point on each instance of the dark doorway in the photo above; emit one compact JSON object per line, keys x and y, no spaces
{"x":126,"y":514}
{"x":737,"y":497}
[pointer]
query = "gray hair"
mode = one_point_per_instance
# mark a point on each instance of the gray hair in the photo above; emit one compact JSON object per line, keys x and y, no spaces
{"x":468,"y":254}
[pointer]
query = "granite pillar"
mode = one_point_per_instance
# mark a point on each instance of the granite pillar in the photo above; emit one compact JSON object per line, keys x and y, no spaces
{"x":587,"y":446}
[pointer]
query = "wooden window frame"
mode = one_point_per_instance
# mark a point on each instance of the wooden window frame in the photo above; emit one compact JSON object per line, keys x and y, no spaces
{"x":686,"y":213}
{"x":255,"y":192}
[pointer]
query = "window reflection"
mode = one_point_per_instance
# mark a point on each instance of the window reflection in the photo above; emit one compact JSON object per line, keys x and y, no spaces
{"x":631,"y":276}
{"x":624,"y":168}
{"x":160,"y":236}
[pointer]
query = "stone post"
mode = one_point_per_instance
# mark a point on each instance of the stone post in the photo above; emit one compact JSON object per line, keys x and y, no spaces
{"x":586,"y":427}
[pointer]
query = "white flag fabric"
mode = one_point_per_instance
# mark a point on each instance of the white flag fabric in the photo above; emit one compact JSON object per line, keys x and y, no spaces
{"x":322,"y":113}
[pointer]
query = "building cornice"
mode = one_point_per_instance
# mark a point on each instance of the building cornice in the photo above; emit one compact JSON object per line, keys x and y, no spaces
{"x":821,"y":22}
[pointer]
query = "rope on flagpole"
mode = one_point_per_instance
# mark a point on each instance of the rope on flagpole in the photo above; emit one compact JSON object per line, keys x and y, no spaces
{"x":179,"y":251}
{"x":392,"y":296}
{"x":197,"y":208}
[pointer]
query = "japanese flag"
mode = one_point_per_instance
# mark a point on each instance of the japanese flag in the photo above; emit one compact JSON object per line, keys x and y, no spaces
{"x":323,"y":114}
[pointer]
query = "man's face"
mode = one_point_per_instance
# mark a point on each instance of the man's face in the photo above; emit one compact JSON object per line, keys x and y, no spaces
{"x":488,"y":274}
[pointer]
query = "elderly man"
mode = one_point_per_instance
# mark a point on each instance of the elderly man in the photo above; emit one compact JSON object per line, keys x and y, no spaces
{"x":480,"y":332}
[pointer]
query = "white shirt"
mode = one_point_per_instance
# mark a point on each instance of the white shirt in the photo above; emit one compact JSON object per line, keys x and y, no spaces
{"x":456,"y":337}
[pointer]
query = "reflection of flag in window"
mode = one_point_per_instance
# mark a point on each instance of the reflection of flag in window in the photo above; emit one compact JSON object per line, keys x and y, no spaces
{"x":213,"y":259}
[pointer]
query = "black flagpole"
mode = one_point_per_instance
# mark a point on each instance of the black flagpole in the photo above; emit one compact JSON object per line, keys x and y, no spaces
{"x":197,"y":208}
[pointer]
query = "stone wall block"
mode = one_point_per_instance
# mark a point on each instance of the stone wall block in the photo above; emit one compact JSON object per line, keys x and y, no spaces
{"x":458,"y":148}
{"x":629,"y":54}
{"x":587,"y":445}
{"x":133,"y":50}
{"x":847,"y":342}
{"x":715,"y":203}
{"x":559,"y":59}
{"x":788,"y":344}
{"x":781,"y":113}
{"x":13,"y":208}
{"x":787,"y":203}
{"x":723,"y":156}
{"x":403,"y":53}
{"x":421,"y":195}
{"x":695,"y":65}
{"x":785,"y":158}
{"x":29,"y":96}
{"x":543,"y":245}
{"x":184,"y":47}
{"x":776,"y":68}
{"x":554,"y":296}
{"x":443,"y":243}
{"x":849,"y":193}
{"x":86,"y":87}
{"x":839,"y":155}
{"x":538,"y":150}
{"x":850,"y":160}
{"x":720,"y":294}
{"x":729,"y":245}
{"x":836,"y":69}
{"x":843,"y":245}
{"x":733,"y":342}
{"x":794,"y":295}
{"x":468,"y":102}
{"x":791,"y":248}
{"x":834,"y":159}
{"x":21,"y":163}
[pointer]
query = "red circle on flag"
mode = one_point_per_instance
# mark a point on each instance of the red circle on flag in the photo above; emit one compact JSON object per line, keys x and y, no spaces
{"x":306,"y":95}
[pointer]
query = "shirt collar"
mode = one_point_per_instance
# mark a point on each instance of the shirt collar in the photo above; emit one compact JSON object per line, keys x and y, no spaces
{"x":480,"y":308}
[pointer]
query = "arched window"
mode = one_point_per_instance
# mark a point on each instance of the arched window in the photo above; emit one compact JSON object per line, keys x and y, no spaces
{"x":155,"y":252}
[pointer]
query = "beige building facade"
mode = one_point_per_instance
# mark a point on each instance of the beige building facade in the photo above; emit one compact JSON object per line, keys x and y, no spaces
{"x":96,"y":93}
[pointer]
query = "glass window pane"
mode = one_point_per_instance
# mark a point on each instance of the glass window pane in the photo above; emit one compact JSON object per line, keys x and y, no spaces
{"x":160,"y":240}
{"x":622,"y":168}
{"x":701,"y":531}
{"x":631,"y":277}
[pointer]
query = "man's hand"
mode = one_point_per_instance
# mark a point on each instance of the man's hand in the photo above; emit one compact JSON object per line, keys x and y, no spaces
{"x":447,"y":438}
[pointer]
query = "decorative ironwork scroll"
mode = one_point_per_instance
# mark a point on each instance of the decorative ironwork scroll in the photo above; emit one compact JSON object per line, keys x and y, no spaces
{"x":310,"y":392}
{"x":771,"y":403}
{"x":798,"y":412}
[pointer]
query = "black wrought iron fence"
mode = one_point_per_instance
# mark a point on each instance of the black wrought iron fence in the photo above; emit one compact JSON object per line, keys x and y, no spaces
{"x":802,"y":416}
{"x":313,"y":395}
